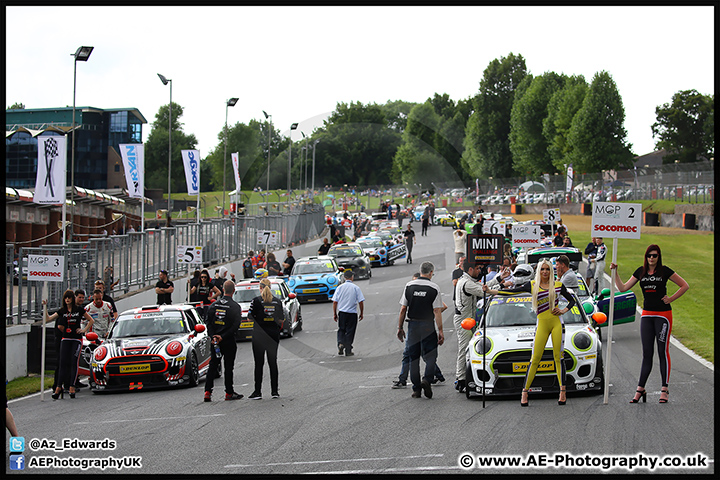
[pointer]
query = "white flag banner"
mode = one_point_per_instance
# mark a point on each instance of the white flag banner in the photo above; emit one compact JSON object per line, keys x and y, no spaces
{"x":51,"y":178}
{"x":133,"y":157}
{"x":191,"y":160}
{"x":236,"y":170}
{"x":569,"y":182}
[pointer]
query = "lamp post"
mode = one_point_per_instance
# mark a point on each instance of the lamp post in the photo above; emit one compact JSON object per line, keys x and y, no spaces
{"x":292,"y":127}
{"x":306,"y":162}
{"x":81,"y":55}
{"x":312,"y":186}
{"x":267,"y":187}
{"x":165,"y":81}
{"x":229,"y":103}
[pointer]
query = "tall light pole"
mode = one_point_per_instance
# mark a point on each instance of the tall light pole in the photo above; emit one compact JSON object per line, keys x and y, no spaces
{"x":267,"y":188}
{"x":229,"y":103}
{"x":165,"y":81}
{"x":312,"y":187}
{"x":292,"y":127}
{"x":81,"y":55}
{"x":306,"y":162}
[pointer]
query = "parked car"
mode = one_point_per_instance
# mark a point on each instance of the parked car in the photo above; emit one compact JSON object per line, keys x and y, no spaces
{"x":443,"y":217}
{"x":152,"y":346}
{"x":315,"y":278}
{"x":499,"y":355}
{"x":418,"y":212}
{"x":246,"y":290}
{"x":352,"y":256}
{"x":379,"y":253}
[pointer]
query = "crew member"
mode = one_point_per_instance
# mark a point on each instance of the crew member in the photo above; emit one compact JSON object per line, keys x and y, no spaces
{"x":223,"y":320}
{"x":268,"y":316}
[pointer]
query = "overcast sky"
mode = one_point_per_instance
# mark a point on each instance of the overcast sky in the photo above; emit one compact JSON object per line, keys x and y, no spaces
{"x":297,"y":63}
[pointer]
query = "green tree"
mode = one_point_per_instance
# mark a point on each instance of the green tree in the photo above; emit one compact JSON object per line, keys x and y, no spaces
{"x":527,"y":143}
{"x":685,"y":127}
{"x":16,"y":106}
{"x":487,"y":144}
{"x":156,"y":151}
{"x":562,"y":107}
{"x":356,"y":146}
{"x":396,"y":114}
{"x":244,"y":140}
{"x":597,"y":136}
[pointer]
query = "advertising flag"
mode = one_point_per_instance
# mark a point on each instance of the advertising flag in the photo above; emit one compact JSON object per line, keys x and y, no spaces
{"x":50,"y":181}
{"x":569,"y":182}
{"x":236,"y":170}
{"x":133,"y":157}
{"x":191,"y":160}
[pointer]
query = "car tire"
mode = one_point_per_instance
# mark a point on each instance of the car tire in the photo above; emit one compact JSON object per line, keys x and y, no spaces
{"x":468,"y":377}
{"x":194,"y":372}
{"x":602,"y":372}
{"x":299,"y":321}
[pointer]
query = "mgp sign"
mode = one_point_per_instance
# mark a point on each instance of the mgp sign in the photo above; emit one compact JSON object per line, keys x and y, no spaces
{"x":46,"y":268}
{"x":527,"y":236}
{"x":616,"y":220}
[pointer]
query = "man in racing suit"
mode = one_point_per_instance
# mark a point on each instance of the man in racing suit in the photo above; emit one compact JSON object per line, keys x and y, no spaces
{"x":102,"y":314}
{"x":223,"y":320}
{"x":467,"y":291}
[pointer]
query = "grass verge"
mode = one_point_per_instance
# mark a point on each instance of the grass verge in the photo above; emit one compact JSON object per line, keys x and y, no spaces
{"x":27,"y":385}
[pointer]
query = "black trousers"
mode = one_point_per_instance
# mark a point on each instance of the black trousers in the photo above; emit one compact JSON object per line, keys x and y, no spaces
{"x":228,"y":349}
{"x":265,"y":342}
{"x":69,"y":356}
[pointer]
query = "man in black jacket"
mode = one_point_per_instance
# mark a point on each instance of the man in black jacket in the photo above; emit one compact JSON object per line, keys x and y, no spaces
{"x":223,"y":320}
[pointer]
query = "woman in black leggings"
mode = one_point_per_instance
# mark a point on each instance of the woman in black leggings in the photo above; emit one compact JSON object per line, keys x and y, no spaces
{"x":656,"y":319}
{"x":268,"y":315}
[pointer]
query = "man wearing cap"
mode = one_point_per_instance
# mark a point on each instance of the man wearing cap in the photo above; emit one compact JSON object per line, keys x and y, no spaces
{"x":164,"y":289}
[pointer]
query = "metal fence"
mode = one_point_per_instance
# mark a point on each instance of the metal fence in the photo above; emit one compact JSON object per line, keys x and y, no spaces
{"x":137,"y":258}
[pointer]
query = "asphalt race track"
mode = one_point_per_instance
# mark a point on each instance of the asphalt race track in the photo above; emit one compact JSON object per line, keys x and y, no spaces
{"x":339,"y":414}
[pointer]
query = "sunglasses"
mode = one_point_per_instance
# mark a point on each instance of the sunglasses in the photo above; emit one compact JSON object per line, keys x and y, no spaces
{"x":651,"y":255}
{"x":204,"y":276}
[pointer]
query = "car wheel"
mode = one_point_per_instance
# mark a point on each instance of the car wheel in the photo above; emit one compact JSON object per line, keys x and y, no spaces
{"x":289,"y":330}
{"x":601,"y":368}
{"x":194,"y":373}
{"x":299,"y":320}
{"x":468,"y":379}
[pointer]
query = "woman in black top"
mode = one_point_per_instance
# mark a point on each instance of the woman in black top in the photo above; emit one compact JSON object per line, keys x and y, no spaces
{"x":267,"y":313}
{"x":656,"y":319}
{"x":205,"y":292}
{"x":68,"y":321}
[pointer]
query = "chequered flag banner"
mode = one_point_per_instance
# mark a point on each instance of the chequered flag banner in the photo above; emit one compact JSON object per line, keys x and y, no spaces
{"x":50,"y":181}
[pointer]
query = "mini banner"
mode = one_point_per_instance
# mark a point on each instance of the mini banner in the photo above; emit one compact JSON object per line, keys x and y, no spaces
{"x":616,"y":220}
{"x":191,"y":161}
{"x":50,"y":181}
{"x":485,"y":249}
{"x":133,"y":157}
{"x":236,"y":170}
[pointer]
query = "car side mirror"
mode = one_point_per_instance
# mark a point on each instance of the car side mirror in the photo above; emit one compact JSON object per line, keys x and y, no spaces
{"x":292,"y":296}
{"x":341,"y":268}
{"x":92,"y":336}
{"x":199,"y":328}
{"x":588,"y":307}
{"x":605,"y":292}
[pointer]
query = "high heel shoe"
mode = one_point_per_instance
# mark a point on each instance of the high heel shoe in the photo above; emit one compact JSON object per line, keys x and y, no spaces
{"x":72,"y":394}
{"x":664,"y":392}
{"x":562,"y":393}
{"x":638,"y":395}
{"x":57,"y":395}
{"x":524,"y":396}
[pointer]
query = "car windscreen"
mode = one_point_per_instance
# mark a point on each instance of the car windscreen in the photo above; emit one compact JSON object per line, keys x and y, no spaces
{"x":441,"y":211}
{"x":346,"y":252}
{"x":370,"y":243}
{"x":148,"y":324}
{"x":246,"y":295}
{"x":508,"y":311}
{"x":310,"y":268}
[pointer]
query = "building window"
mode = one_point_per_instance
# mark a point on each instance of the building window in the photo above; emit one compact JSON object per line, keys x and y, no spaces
{"x":117,"y":167}
{"x":119,"y":122}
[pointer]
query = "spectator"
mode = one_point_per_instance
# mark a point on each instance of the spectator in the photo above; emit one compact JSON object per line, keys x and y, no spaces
{"x":248,"y":270}
{"x":599,"y":261}
{"x":192,"y":286}
{"x":566,"y":276}
{"x":288,"y":263}
{"x":425,"y":221}
{"x":558,"y":240}
{"x":460,"y":240}
{"x":108,"y":278}
{"x":409,"y":235}
{"x":567,"y":242}
{"x":591,"y":252}
{"x":324,"y":247}
{"x":164,"y":289}
{"x":272,"y":265}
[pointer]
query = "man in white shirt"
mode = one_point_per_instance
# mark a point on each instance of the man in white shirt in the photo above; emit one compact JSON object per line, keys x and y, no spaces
{"x":346,"y":300}
{"x":566,"y":276}
{"x":102,"y":314}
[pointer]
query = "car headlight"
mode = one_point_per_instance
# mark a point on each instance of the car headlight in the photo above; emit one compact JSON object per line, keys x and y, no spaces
{"x":291,"y":282}
{"x":582,"y":341}
{"x":332,"y":280}
{"x":483,"y":346}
